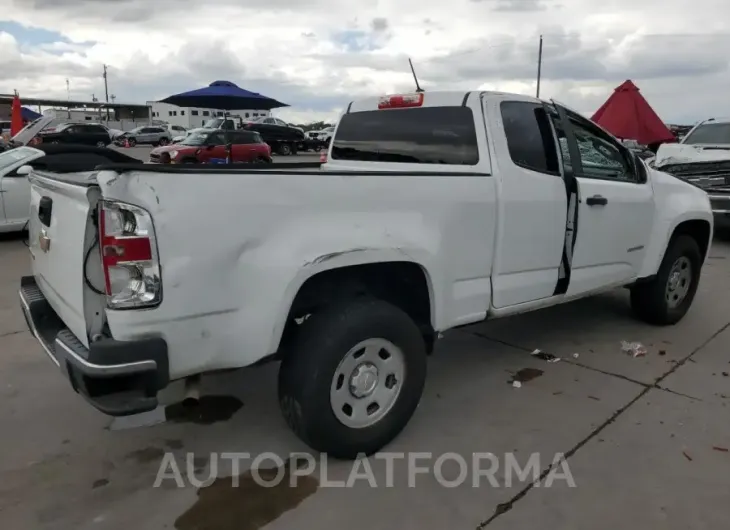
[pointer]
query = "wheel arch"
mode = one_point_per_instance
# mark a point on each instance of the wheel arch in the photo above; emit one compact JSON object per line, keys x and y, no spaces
{"x":404,"y":283}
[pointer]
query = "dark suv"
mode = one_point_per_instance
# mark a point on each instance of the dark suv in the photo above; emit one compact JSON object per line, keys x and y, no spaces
{"x":77,"y":133}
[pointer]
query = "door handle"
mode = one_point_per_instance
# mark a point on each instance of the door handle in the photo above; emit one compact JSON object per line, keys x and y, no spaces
{"x":597,"y":200}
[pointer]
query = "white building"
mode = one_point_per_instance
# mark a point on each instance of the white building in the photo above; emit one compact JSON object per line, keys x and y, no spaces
{"x":190,"y":117}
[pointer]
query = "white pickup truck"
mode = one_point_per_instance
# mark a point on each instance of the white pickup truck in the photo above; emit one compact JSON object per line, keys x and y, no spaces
{"x":433,"y":211}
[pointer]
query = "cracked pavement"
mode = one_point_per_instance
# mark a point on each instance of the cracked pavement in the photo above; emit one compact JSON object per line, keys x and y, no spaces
{"x":646,"y":439}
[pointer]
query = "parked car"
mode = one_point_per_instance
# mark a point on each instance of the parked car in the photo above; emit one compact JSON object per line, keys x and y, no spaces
{"x":77,"y":133}
{"x":703,"y":158}
{"x":113,"y":133}
{"x":180,"y":138}
{"x":147,"y":134}
{"x":176,"y":130}
{"x":210,"y":145}
{"x":283,"y":138}
{"x":433,"y":211}
{"x":14,"y":187}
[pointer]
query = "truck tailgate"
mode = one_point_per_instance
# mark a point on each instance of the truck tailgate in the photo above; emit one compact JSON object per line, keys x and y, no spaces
{"x":57,"y":231}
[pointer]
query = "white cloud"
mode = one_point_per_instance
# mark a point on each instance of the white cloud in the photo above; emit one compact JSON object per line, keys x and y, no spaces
{"x":318,"y":55}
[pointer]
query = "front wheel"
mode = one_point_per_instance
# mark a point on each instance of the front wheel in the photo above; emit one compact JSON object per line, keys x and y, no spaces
{"x":100,"y":144}
{"x":132,"y":142}
{"x":285,"y":149}
{"x":353,"y":377}
{"x":667,"y":297}
{"x":163,"y":141}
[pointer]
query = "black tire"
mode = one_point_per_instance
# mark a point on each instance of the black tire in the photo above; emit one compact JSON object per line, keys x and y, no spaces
{"x":188,"y":161}
{"x":262,"y":161}
{"x":163,"y":141}
{"x":101,"y":144}
{"x":285,"y":149}
{"x":312,"y":358}
{"x":649,"y":300}
{"x":132,"y":142}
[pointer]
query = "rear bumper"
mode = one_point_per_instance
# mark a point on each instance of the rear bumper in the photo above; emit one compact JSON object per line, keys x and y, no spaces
{"x":119,"y":378}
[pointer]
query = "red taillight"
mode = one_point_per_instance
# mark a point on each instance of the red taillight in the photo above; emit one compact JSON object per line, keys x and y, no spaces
{"x":128,"y":256}
{"x":323,"y":157}
{"x":401,"y":101}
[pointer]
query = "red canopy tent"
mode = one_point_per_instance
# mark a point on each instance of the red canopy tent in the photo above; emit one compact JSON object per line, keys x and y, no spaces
{"x":16,"y":116}
{"x":628,"y":116}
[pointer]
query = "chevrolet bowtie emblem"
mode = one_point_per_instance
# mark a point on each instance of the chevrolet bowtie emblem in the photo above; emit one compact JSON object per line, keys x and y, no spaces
{"x":44,"y":241}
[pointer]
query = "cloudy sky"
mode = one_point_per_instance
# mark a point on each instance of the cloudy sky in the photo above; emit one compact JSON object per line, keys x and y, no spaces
{"x":317,"y":55}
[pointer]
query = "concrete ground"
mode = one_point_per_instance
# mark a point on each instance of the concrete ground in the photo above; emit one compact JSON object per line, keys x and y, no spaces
{"x":143,"y":153}
{"x":646,"y":438}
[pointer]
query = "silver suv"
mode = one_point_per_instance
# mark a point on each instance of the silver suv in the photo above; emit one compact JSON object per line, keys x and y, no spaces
{"x":148,"y":134}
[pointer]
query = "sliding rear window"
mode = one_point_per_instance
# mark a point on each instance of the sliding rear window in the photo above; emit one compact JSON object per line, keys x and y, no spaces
{"x":425,"y":135}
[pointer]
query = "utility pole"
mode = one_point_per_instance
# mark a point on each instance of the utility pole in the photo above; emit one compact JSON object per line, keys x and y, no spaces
{"x":68,"y":98}
{"x":106,"y":91}
{"x":539,"y":66}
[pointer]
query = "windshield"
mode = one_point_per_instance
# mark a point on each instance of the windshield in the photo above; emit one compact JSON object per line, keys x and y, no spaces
{"x":709,"y":133}
{"x":213,"y":124}
{"x":13,"y":156}
{"x":196,"y":138}
{"x":136,"y":130}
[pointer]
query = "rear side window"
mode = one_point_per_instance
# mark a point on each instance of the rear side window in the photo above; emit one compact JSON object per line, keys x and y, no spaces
{"x":529,"y":137}
{"x":425,"y":135}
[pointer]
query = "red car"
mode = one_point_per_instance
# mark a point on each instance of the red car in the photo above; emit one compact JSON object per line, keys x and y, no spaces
{"x":209,"y":147}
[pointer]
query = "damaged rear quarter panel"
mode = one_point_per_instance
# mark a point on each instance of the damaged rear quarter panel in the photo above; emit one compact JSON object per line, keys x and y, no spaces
{"x":236,"y":247}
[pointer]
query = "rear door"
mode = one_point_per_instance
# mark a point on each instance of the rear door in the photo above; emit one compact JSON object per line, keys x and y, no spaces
{"x":532,"y":226}
{"x":615,"y":205}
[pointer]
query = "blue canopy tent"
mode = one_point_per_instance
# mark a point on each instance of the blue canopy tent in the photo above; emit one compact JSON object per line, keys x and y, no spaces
{"x":225,"y":96}
{"x":28,"y":115}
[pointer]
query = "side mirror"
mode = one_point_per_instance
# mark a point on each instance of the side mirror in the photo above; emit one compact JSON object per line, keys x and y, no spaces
{"x":23,"y":171}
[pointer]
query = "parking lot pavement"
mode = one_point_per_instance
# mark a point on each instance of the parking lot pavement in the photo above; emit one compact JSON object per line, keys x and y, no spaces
{"x":646,"y":438}
{"x":143,"y":153}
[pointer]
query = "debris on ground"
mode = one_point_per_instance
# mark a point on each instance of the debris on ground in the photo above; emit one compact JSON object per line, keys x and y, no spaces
{"x":549,"y":357}
{"x":635,"y":349}
{"x":576,"y":355}
{"x":721,"y":449}
{"x":725,"y":374}
{"x":662,"y":352}
{"x":524,"y":375}
{"x":594,"y":398}
{"x":687,"y":456}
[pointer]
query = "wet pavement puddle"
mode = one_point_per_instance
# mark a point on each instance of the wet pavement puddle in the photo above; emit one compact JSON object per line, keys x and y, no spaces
{"x":249,"y":504}
{"x":208,"y":410}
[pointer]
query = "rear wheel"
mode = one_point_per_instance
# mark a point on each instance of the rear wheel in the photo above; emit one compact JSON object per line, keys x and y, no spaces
{"x":666,"y":299}
{"x":132,"y":142}
{"x":285,"y":149}
{"x":100,"y":144}
{"x":163,"y":141}
{"x":352,"y":377}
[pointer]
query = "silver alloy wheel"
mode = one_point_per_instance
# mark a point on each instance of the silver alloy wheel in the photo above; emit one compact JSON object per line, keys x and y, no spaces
{"x":367,"y":383}
{"x":679,"y":282}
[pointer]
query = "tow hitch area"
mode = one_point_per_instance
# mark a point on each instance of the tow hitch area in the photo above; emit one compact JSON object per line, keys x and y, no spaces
{"x":118,"y":378}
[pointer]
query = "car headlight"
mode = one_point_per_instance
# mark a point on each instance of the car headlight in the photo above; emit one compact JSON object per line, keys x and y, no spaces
{"x":173,"y":154}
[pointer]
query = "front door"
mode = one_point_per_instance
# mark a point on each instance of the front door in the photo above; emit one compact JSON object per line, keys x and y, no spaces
{"x":615,"y":206}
